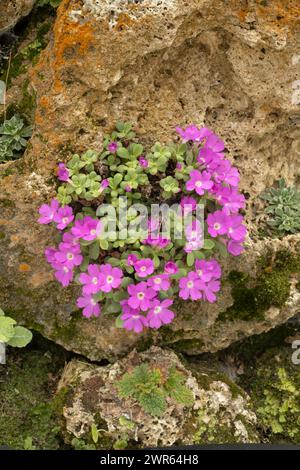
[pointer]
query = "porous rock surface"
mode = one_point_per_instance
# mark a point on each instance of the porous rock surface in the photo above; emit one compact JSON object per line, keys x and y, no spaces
{"x":11,"y":11}
{"x":232,"y":65}
{"x":88,"y":396}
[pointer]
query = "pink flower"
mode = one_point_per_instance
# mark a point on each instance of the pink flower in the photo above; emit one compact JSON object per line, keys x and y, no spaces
{"x":188,"y":204}
{"x":64,"y":275}
{"x":179,"y":166}
{"x":159,"y":282}
{"x":69,"y":255}
{"x":209,"y":159}
{"x":140,"y":296}
{"x":111,"y":278}
{"x":217,"y":223}
{"x":235,"y":248}
{"x":131,"y":259}
{"x":90,"y":307}
{"x":199,"y":182}
{"x":162,"y":242}
{"x":62,"y":172}
{"x":144,"y":267}
{"x":159,"y":314}
{"x":104,"y":184}
{"x":48,"y":212}
{"x":194,"y":236}
{"x":235,"y":229}
{"x":193,"y":231}
{"x":226,"y":173}
{"x":63,"y":217}
{"x":50,"y":257}
{"x":113,"y":147}
{"x":209,"y":289}
{"x":134,"y":321}
{"x":190,"y":287}
{"x":171,"y":267}
{"x":214,"y":143}
{"x":193,"y":133}
{"x":126,"y":308}
{"x":231,"y":200}
{"x":207,"y":270}
{"x":68,"y":237}
{"x":143,"y":162}
{"x":193,"y":246}
{"x":92,"y":281}
{"x":128,"y":188}
{"x":87,"y":228}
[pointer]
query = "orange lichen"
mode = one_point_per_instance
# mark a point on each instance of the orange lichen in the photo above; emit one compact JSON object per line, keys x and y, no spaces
{"x":275,"y":14}
{"x":242,"y":15}
{"x":24,"y":268}
{"x":69,"y":36}
{"x":124,"y":21}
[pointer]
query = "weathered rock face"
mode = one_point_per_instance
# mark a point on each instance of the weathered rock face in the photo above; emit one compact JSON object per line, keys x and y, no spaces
{"x":11,"y":11}
{"x":158,"y":64}
{"x":88,"y":396}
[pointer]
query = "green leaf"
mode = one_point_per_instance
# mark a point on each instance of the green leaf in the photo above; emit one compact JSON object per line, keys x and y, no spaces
{"x":103,"y":244}
{"x":112,"y":307}
{"x":1,"y":313}
{"x":123,"y":152}
{"x":222,"y":249}
{"x":121,"y":295}
{"x":136,"y":150}
{"x":21,"y":337}
{"x":126,"y":423}
{"x":6,"y":328}
{"x":126,"y":281}
{"x":120,"y":444}
{"x":119,"y":322}
{"x":181,"y":394}
{"x":117,"y":179}
{"x":154,"y":403}
{"x":208,"y":244}
{"x":94,"y":433}
{"x":190,"y":259}
{"x":94,"y":251}
{"x":28,"y":443}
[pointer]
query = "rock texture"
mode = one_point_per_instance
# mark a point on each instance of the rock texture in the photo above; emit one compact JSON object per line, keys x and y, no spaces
{"x":232,"y":65}
{"x":12,"y":11}
{"x":88,"y":396}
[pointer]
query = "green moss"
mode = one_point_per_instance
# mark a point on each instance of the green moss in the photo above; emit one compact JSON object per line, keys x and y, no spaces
{"x":249,"y":349}
{"x":274,"y":385}
{"x":36,"y":26}
{"x":187,"y":345}
{"x":271,"y":288}
{"x":26,"y":387}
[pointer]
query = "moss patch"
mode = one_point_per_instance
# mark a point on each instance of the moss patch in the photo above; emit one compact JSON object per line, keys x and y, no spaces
{"x":27,"y":383}
{"x":271,"y":288}
{"x":274,"y":386}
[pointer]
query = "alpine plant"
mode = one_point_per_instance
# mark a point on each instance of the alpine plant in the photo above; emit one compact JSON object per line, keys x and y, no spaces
{"x":138,"y":278}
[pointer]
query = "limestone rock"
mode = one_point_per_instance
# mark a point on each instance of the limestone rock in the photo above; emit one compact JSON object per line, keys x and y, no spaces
{"x":12,"y":11}
{"x":88,"y":396}
{"x":158,"y":64}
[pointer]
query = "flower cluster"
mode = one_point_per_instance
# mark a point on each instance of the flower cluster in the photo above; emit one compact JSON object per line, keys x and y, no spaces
{"x":138,"y":278}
